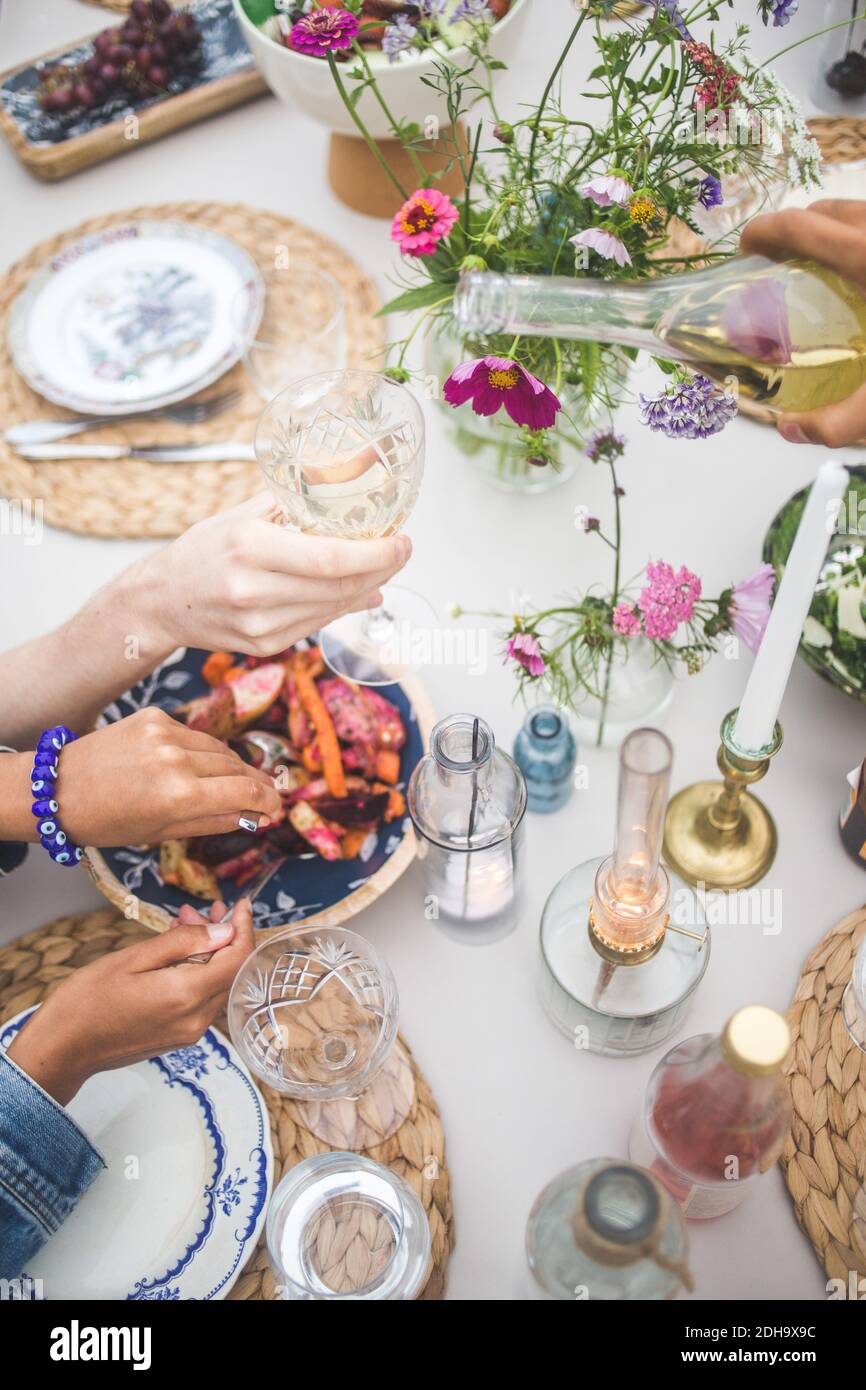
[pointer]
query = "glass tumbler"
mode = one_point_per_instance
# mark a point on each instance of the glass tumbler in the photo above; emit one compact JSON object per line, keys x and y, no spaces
{"x":342,"y":1227}
{"x":302,"y":329}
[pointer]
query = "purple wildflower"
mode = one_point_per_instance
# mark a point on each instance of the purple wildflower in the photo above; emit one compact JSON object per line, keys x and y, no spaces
{"x":670,"y":8}
{"x":710,"y":192}
{"x":781,"y":11}
{"x":398,"y":37}
{"x":748,"y":606}
{"x":605,"y":444}
{"x":692,"y":409}
{"x":472,"y":10}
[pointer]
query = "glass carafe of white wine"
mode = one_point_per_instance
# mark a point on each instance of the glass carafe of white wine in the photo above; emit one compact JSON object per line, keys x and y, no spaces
{"x":343,"y":454}
{"x":792,"y":333}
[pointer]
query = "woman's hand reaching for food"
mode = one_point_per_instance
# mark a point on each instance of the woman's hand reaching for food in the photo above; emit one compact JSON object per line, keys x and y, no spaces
{"x":833,"y":233}
{"x":238,"y":582}
{"x":143,"y":779}
{"x":135,"y":1003}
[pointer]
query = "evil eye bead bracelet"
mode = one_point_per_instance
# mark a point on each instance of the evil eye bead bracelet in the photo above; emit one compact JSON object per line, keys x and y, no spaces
{"x":43,"y":785}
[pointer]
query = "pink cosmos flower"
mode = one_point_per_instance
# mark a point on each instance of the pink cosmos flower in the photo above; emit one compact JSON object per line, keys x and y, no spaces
{"x":749,"y":606}
{"x":491,"y":382}
{"x":667,"y":600}
{"x":524,"y":649}
{"x":323,"y":32}
{"x":605,"y":243}
{"x":607,"y":190}
{"x":422,"y":221}
{"x":755,"y":322}
{"x":626,"y":620}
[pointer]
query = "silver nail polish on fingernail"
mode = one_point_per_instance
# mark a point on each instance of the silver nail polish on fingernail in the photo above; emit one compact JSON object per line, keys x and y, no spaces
{"x":245,"y":823}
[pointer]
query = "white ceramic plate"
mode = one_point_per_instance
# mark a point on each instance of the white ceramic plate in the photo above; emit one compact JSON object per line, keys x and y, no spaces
{"x":179,"y":1208}
{"x":133,"y":317}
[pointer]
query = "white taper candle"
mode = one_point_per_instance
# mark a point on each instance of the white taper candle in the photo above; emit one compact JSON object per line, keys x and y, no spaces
{"x":762,"y":698}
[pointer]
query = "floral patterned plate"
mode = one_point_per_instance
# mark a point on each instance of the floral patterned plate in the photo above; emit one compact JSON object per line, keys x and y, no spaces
{"x":303,"y":890}
{"x":134,"y":317}
{"x":180,"y":1205}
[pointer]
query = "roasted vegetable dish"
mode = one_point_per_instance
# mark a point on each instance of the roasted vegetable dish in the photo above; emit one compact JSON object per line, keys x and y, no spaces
{"x":333,"y":749}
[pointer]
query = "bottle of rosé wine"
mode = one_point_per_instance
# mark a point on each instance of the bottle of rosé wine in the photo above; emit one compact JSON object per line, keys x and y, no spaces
{"x":717,"y":1113}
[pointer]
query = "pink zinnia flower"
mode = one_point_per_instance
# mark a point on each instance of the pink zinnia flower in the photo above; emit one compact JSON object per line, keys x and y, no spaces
{"x":749,"y":606}
{"x":607,"y":190}
{"x":491,"y":382}
{"x":524,"y":649}
{"x":668,"y":599}
{"x":424,"y":220}
{"x":755,"y":322}
{"x":323,"y":32}
{"x":626,"y":620}
{"x":605,"y":243}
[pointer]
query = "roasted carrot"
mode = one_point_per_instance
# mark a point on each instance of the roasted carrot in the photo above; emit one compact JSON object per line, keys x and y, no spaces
{"x":326,"y":735}
{"x":310,"y":758}
{"x":234,"y":672}
{"x":352,"y":842}
{"x":215,"y":667}
{"x":396,"y":801}
{"x":388,"y":766}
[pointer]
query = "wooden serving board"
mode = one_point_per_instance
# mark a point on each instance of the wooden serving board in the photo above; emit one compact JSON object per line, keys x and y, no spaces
{"x":229,"y":77}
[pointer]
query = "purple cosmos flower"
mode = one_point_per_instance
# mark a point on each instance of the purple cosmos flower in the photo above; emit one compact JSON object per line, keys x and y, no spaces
{"x":524,"y":649}
{"x":605,"y":444}
{"x":755,"y":322}
{"x":781,"y":10}
{"x":710,"y":192}
{"x":607,"y":190}
{"x":671,"y":10}
{"x":692,"y":409}
{"x":323,"y":32}
{"x":605,"y":243}
{"x":491,"y":382}
{"x":748,"y":608}
{"x":398,"y":37}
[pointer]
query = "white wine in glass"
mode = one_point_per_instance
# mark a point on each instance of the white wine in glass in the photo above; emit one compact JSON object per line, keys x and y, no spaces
{"x":343,"y":453}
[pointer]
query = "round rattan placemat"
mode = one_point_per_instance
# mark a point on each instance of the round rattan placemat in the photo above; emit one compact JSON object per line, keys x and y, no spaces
{"x":32,"y":966}
{"x":825,"y":1157}
{"x":134,"y":498}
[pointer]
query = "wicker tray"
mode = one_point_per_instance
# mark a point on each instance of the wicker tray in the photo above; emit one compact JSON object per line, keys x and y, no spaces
{"x":32,"y":966}
{"x":147,"y":499}
{"x":825,"y":1157}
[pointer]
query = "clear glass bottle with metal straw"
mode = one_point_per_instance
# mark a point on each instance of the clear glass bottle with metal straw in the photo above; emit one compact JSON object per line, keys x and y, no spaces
{"x":606,"y":1230}
{"x":624,"y":944}
{"x":467,"y":801}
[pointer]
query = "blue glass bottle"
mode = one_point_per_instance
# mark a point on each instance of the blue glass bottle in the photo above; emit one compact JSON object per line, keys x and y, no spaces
{"x":545,"y":752}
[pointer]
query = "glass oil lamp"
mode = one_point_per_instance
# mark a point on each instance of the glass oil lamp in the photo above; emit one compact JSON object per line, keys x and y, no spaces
{"x":624,"y":943}
{"x":606,"y":1230}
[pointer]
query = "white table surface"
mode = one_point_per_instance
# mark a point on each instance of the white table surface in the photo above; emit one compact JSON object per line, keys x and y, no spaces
{"x":519,"y":1103}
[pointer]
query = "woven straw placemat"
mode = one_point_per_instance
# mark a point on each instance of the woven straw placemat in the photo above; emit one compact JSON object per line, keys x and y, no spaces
{"x":133,"y":498}
{"x":32,"y":966}
{"x":825,"y":1157}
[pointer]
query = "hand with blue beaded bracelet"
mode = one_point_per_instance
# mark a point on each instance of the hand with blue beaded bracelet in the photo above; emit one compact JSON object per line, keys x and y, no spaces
{"x":144,"y":779}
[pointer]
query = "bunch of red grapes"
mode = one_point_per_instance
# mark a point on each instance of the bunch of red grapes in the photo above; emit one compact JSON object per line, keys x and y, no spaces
{"x":139,"y":58}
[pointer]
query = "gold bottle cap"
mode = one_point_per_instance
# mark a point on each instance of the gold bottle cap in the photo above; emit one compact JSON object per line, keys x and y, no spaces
{"x":756,"y":1040}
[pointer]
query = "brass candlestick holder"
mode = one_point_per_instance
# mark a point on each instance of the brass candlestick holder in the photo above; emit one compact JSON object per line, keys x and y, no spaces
{"x":718,"y":834}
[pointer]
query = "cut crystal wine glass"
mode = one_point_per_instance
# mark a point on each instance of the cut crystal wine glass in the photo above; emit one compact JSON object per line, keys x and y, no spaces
{"x":313,"y":1011}
{"x":343,"y":453}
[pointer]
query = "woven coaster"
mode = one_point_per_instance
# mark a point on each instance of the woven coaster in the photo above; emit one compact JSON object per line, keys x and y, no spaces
{"x":133,"y":498}
{"x":32,"y":966}
{"x":825,"y":1157}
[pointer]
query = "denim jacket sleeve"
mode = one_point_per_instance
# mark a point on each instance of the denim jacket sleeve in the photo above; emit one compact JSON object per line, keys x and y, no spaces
{"x":46,"y":1163}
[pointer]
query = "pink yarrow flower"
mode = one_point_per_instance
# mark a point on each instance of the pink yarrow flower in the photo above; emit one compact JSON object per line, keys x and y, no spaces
{"x":605,"y":243}
{"x":627,"y":620}
{"x":748,"y":608}
{"x":423,"y":221}
{"x":322,"y":32}
{"x":491,"y":382}
{"x":607,"y":190}
{"x":524,"y":649}
{"x":667,"y":600}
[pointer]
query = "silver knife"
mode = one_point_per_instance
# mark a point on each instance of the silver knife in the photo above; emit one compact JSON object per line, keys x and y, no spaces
{"x":222,"y":451}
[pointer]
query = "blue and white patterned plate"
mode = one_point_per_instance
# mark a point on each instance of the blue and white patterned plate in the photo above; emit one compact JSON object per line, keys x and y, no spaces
{"x":303,"y":888}
{"x":178,"y":1210}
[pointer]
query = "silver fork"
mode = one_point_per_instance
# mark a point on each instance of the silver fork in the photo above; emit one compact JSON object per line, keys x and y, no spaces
{"x":185,"y":413}
{"x":252,"y":891}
